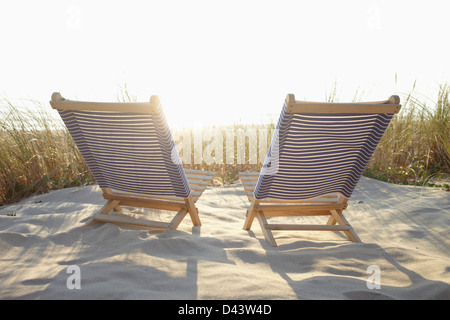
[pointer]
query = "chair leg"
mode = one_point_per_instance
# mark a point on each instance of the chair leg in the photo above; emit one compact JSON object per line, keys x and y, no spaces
{"x":267,"y":233}
{"x":331,"y":221}
{"x":251,"y":213}
{"x":110,"y":205}
{"x":193,"y":212}
{"x":177,"y":219}
{"x":340,"y":219}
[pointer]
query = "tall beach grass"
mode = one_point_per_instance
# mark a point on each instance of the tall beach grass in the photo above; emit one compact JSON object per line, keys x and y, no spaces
{"x":415,"y":148}
{"x":37,"y":154}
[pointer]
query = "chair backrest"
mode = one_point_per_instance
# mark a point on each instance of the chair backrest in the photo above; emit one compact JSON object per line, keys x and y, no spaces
{"x":322,"y":148}
{"x":127,"y":146}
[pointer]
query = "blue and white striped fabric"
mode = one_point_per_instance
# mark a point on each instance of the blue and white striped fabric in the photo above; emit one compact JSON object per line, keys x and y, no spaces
{"x":128,"y":152}
{"x":312,"y":155}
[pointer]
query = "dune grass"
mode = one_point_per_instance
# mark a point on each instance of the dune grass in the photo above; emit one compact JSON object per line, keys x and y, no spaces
{"x":415,"y":148}
{"x":37,"y":153}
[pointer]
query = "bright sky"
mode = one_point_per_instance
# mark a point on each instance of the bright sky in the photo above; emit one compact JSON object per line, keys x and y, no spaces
{"x":214,"y":62}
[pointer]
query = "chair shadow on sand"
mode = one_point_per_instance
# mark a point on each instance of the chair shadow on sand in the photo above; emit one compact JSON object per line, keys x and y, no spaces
{"x":313,"y":270}
{"x":342,"y":272}
{"x":168,"y":269}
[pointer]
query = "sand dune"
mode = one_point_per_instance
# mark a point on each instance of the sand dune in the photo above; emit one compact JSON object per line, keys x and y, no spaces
{"x":404,"y":233}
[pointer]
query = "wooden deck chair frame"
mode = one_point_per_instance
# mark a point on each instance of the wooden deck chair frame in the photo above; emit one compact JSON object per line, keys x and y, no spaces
{"x":331,"y":205}
{"x":197,"y":180}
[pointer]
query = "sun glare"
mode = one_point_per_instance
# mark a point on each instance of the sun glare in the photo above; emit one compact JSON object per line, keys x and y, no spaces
{"x":220,"y":63}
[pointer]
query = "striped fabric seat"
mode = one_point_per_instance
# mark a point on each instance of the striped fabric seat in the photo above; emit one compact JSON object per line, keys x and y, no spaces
{"x":319,"y":154}
{"x":130,"y":151}
{"x":318,"y":150}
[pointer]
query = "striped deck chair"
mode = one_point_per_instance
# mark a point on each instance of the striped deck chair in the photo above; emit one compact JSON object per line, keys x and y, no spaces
{"x":317,"y":155}
{"x":129,"y":149}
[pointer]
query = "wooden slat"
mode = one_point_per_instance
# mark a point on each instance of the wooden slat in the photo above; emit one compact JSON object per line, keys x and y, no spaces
{"x":200,"y":172}
{"x":394,"y":99}
{"x":249,"y":174}
{"x":295,"y":213}
{"x":198,"y":182}
{"x":145,"y":196}
{"x":249,"y":181}
{"x":390,"y":106}
{"x":197,"y":189}
{"x":249,"y":177}
{"x":317,"y":200}
{"x":310,"y":227}
{"x":314,"y":200}
{"x":305,"y":207}
{"x":146,"y":203}
{"x":205,"y":177}
{"x":195,"y":194}
{"x":58,"y":102}
{"x":357,"y":108}
{"x":325,"y":199}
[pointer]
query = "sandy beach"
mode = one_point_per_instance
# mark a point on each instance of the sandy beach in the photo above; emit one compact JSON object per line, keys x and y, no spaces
{"x":404,"y":232}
